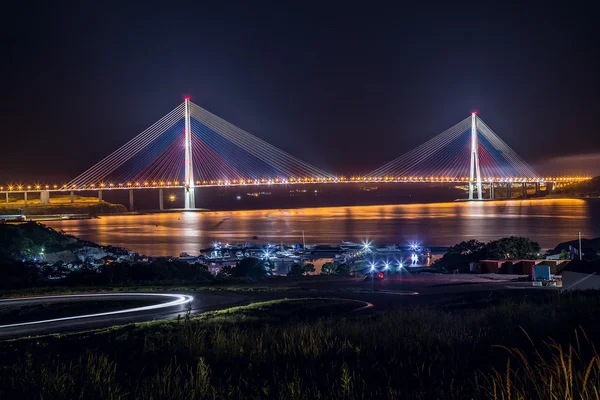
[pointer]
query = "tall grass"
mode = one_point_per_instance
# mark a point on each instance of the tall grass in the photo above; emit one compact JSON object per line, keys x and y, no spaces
{"x":403,"y":354}
{"x":554,"y":372}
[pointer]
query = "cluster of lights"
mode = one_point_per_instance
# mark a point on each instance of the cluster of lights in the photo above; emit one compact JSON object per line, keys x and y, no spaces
{"x":266,"y":181}
{"x":464,"y":179}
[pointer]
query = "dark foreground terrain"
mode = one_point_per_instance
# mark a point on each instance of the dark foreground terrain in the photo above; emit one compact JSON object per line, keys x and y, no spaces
{"x":520,"y":345}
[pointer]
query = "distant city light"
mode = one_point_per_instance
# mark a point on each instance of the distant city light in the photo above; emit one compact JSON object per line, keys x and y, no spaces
{"x":172,"y":197}
{"x":414,"y":246}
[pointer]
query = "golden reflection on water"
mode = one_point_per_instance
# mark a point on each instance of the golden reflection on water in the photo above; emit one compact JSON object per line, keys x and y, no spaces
{"x":548,"y":221}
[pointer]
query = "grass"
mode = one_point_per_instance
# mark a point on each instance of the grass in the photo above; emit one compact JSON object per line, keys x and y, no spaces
{"x":60,"y":290}
{"x":311,"y":348}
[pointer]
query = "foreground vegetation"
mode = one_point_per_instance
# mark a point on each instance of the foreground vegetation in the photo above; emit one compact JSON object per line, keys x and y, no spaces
{"x":313,"y":349}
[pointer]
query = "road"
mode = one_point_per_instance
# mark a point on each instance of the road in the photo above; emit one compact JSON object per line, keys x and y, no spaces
{"x":384,"y":295}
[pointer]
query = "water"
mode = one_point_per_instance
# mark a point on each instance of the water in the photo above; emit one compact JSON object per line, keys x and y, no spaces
{"x":549,"y":221}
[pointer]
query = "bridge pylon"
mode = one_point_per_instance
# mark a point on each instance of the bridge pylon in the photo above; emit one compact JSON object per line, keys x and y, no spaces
{"x":475,"y":173}
{"x":190,"y":201}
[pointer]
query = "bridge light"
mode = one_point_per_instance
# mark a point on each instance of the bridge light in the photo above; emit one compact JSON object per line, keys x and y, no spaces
{"x":120,"y":185}
{"x":10,"y":188}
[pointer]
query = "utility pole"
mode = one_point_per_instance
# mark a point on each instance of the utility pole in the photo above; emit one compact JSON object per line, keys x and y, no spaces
{"x":190,"y":202}
{"x":475,"y":174}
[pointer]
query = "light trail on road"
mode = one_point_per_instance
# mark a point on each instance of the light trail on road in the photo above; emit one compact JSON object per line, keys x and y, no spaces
{"x":179,"y":300}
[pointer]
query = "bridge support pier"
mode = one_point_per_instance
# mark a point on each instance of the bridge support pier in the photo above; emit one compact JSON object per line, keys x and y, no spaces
{"x":25,"y":197}
{"x":190,"y":201}
{"x":99,"y":195}
{"x":549,"y":186}
{"x":161,"y":200}
{"x":492,"y":191}
{"x":537,"y":188}
{"x":44,"y":197}
{"x":72,"y":196}
{"x":130,"y":199}
{"x":524,"y":190}
{"x":6,"y":197}
{"x":508,"y":191}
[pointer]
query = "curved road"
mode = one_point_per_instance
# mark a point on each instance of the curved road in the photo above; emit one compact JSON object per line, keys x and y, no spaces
{"x":167,"y":305}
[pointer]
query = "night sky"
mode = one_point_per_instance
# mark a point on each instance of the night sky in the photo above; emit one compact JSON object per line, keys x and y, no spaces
{"x":344,"y":87}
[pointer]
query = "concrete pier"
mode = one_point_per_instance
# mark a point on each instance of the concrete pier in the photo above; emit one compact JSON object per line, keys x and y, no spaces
{"x":161,"y":199}
{"x":524,"y":190}
{"x":6,"y":197}
{"x":508,"y":191}
{"x":130,"y":199}
{"x":25,"y":197}
{"x":44,"y":197}
{"x":99,"y":195}
{"x":72,"y":196}
{"x":492,"y":194}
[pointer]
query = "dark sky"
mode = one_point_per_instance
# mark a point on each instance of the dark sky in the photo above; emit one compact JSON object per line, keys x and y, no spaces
{"x":345,"y":87}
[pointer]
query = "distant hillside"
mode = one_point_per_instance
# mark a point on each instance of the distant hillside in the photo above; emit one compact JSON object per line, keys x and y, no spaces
{"x":586,"y":244}
{"x":589,"y":188}
{"x":33,"y":240}
{"x":65,"y":208}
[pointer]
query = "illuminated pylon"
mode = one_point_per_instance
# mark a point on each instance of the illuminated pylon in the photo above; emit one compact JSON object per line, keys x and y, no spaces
{"x":190,"y":202}
{"x":475,"y":175}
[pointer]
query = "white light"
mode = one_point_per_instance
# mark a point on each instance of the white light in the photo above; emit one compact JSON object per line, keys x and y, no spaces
{"x":179,"y":299}
{"x":372,"y":267}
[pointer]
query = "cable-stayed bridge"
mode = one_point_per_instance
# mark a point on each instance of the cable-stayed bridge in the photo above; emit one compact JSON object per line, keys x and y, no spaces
{"x":191,"y":148}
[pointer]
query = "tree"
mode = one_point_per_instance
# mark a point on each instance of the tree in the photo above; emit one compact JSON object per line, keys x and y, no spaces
{"x":308,"y":268}
{"x":296,"y":270}
{"x":328,"y":268}
{"x":343,"y":269}
{"x":460,"y":255}
{"x":250,"y":268}
{"x":513,"y":248}
{"x":299,"y":269}
{"x":564,"y":254}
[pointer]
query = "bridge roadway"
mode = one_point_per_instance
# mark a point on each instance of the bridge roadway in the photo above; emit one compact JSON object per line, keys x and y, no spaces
{"x":43,"y":191}
{"x":383,"y":295}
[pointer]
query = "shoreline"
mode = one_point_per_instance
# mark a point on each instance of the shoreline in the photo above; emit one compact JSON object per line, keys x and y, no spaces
{"x":54,"y":217}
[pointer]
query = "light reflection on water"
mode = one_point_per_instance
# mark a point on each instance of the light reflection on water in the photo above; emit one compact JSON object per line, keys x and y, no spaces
{"x":548,"y":221}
